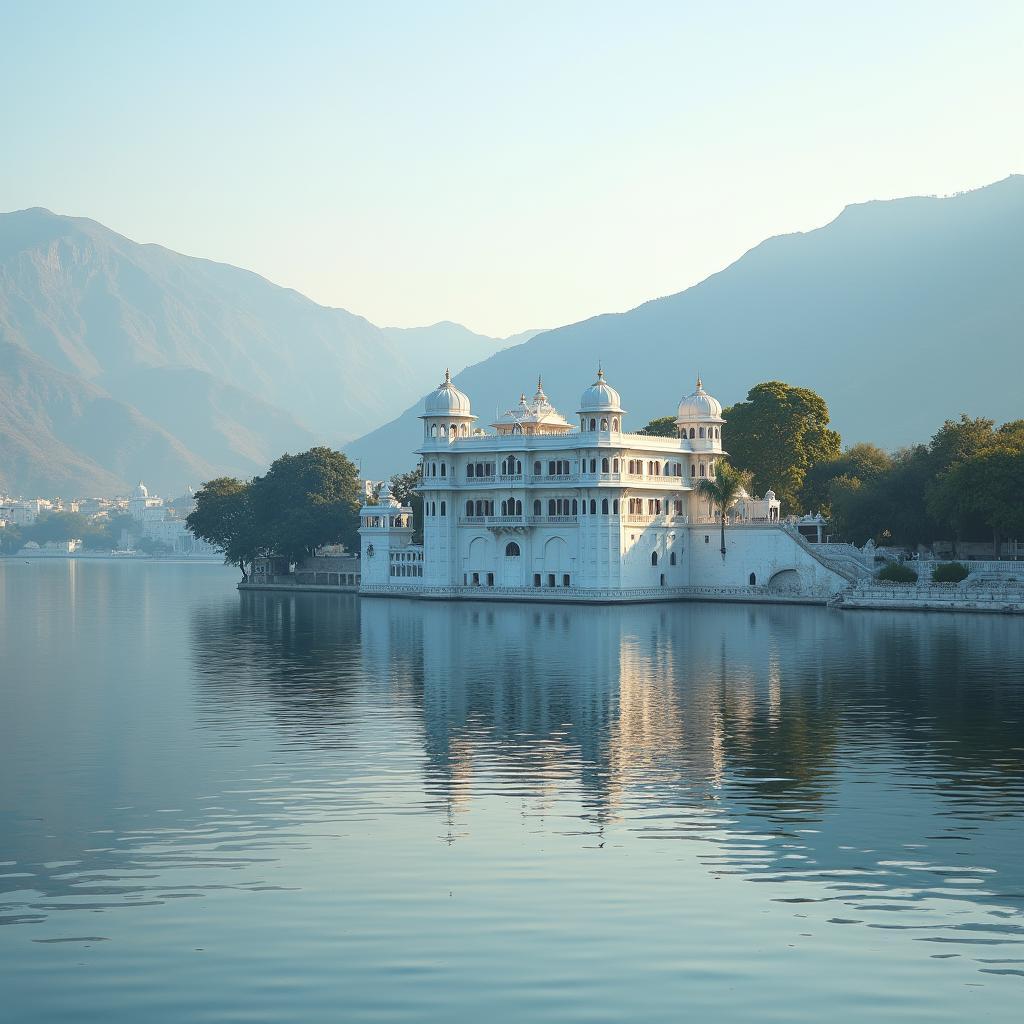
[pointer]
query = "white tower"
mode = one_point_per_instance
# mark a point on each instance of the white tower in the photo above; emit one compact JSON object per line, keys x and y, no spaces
{"x":385,"y":527}
{"x":447,"y":417}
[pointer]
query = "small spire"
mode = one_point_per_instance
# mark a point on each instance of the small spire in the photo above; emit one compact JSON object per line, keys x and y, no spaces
{"x":447,"y":376}
{"x":700,"y":383}
{"x":600,"y":370}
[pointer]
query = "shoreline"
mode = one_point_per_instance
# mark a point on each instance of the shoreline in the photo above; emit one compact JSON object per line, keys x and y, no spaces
{"x":989,"y":604}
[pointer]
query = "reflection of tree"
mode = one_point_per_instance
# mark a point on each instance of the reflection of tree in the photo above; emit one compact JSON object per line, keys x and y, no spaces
{"x":286,"y":655}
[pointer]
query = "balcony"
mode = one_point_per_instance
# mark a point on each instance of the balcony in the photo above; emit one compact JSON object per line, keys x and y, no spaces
{"x":505,"y":522}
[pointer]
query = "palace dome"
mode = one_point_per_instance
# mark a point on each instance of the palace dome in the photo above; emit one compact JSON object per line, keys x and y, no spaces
{"x":447,"y":400}
{"x":600,"y":397}
{"x":141,"y":491}
{"x":699,"y":406}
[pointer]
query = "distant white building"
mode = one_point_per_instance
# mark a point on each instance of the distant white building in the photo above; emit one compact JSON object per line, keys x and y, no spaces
{"x":164,"y":522}
{"x":21,"y":512}
{"x":145,"y":507}
{"x":577,"y":511}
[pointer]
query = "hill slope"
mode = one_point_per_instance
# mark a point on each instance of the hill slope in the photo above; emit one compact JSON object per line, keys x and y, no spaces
{"x":900,"y":313}
{"x":61,"y":435}
{"x":237,"y":368}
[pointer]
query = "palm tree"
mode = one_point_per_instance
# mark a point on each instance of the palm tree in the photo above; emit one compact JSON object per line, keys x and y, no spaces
{"x":723,"y":490}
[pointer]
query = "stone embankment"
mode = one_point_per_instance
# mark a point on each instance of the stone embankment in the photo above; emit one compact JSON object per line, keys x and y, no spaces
{"x":969,"y":596}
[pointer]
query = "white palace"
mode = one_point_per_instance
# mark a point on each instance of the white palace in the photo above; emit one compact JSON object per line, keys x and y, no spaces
{"x":581,"y":511}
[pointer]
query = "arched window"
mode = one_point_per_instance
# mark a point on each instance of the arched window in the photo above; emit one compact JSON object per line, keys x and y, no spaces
{"x":654,"y":558}
{"x":463,"y":430}
{"x":615,"y":465}
{"x":511,"y":549}
{"x":469,"y":508}
{"x":583,"y":423}
{"x":693,"y":469}
{"x":480,"y":508}
{"x":703,"y":469}
{"x":753,"y":580}
{"x":604,"y":465}
{"x":593,"y":507}
{"x":615,"y":506}
{"x":536,"y":507}
{"x":536,"y":469}
{"x":700,"y":433}
{"x":672,"y":558}
{"x":575,"y":507}
{"x":615,"y":423}
{"x":470,"y":470}
{"x":519,"y":466}
{"x":593,"y":424}
{"x":604,"y":423}
{"x":692,"y":434}
{"x":551,"y":506}
{"x":454,"y":430}
{"x":593,"y":465}
{"x":444,"y":511}
{"x":519,"y":508}
{"x":433,"y":430}
{"x":444,"y":469}
{"x":604,"y":506}
{"x":718,"y":433}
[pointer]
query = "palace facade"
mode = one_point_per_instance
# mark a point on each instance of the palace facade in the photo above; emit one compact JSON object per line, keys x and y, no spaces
{"x":543,"y":507}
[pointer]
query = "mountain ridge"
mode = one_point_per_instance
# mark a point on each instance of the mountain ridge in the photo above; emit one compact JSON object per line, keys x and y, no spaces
{"x":888,"y":296}
{"x":280,"y":369}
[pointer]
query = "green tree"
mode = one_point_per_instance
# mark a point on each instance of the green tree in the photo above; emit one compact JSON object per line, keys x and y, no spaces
{"x":777,"y":434}
{"x":956,"y":444}
{"x":12,"y":540}
{"x":988,"y":487}
{"x":662,"y":426}
{"x":863,"y":462}
{"x":305,"y":501}
{"x":223,"y":516}
{"x":92,"y":531}
{"x":403,"y":487}
{"x":723,"y":490}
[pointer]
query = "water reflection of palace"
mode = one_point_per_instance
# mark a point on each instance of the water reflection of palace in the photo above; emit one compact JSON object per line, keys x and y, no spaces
{"x":825,"y":730}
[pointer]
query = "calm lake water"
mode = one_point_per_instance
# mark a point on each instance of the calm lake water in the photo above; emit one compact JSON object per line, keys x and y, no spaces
{"x":224,"y":807}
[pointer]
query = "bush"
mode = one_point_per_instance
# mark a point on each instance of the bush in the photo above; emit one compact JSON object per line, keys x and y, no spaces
{"x":897,"y":572}
{"x":950,"y":572}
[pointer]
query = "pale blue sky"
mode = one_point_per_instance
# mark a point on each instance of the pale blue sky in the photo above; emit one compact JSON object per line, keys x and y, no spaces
{"x":507,"y":165}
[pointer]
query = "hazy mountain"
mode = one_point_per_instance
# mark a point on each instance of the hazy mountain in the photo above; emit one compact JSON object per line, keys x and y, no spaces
{"x":429,"y":350}
{"x":900,"y":313}
{"x":237,"y":368}
{"x":225,"y":426}
{"x":60,"y":435}
{"x":98,"y":305}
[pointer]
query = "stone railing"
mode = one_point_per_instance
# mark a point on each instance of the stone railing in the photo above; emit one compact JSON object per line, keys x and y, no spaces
{"x":849,"y":564}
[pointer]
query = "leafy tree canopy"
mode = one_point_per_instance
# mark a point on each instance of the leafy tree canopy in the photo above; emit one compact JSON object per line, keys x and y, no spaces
{"x":861,"y":462}
{"x":403,"y":487}
{"x":777,"y":434}
{"x":662,"y":426}
{"x":224,"y":516}
{"x":305,"y":501}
